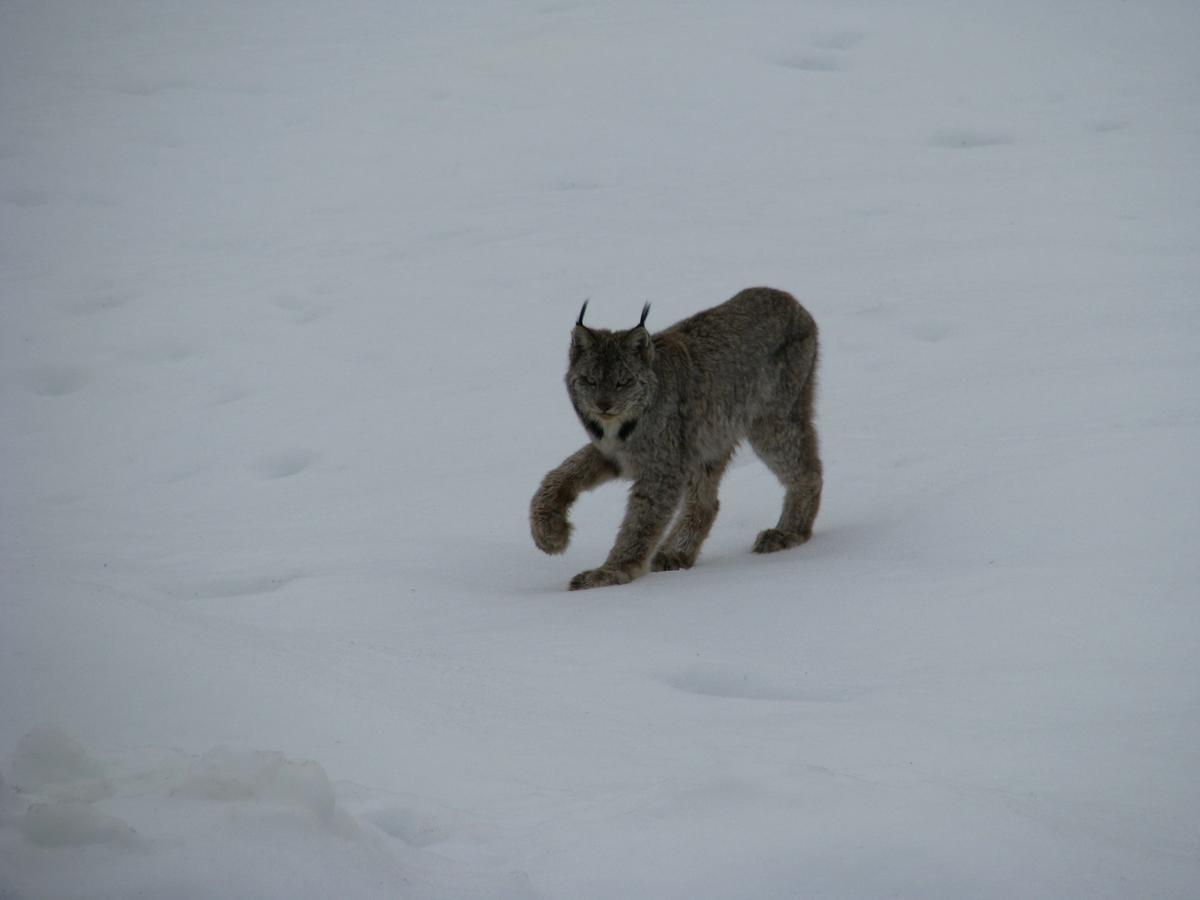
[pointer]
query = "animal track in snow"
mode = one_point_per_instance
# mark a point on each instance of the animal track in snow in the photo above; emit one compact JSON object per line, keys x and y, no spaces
{"x":301,"y":311}
{"x":183,"y":472}
{"x":55,"y":380}
{"x":839,"y":39}
{"x":812,"y":62}
{"x":830,"y":52}
{"x":92,"y":199}
{"x":147,"y":86}
{"x":219,"y":586}
{"x":283,"y":464}
{"x":970,"y":139}
{"x":97,"y":304}
{"x":931,"y":330}
{"x":730,"y":682}
{"x":25,"y":197}
{"x":230,"y":393}
{"x":577,"y":184}
{"x":162,"y":352}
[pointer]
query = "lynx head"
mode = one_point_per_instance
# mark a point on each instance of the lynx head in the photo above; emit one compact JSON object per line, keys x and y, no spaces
{"x":610,"y":377}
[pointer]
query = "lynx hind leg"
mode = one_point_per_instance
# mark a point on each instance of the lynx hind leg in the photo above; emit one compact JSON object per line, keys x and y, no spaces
{"x":695,"y":520}
{"x":788,"y":445}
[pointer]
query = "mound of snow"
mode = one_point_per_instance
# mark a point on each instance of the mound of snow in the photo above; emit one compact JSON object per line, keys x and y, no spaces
{"x":267,"y":777}
{"x":275,"y":823}
{"x":67,"y":824}
{"x":48,"y":756}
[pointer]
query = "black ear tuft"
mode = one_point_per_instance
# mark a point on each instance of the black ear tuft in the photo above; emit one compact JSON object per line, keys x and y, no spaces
{"x":582,"y":337}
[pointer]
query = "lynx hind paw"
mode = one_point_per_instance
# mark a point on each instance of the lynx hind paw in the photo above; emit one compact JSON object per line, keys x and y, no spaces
{"x":773,"y":539}
{"x":666,"y":561}
{"x":594,"y":578}
{"x":551,"y":531}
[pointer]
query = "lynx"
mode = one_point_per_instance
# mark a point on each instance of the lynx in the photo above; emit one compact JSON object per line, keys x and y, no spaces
{"x":668,"y":410}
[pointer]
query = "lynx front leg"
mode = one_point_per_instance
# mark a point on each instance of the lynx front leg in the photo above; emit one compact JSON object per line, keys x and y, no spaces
{"x":651,"y":503}
{"x":579,"y":472}
{"x":682,"y":545}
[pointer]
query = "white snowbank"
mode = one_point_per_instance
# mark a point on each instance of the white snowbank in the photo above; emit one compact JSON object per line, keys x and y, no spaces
{"x":272,"y":823}
{"x":48,"y":760}
{"x":68,"y":824}
{"x":264,"y":777}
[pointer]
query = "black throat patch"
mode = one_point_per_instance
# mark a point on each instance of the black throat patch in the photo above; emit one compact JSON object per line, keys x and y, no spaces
{"x":592,"y":426}
{"x":626,"y":429}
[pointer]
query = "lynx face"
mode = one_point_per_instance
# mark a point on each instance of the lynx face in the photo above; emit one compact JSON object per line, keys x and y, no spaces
{"x":610,"y":378}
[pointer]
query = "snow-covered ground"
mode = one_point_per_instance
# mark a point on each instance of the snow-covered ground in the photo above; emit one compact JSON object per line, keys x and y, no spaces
{"x":286,"y":291}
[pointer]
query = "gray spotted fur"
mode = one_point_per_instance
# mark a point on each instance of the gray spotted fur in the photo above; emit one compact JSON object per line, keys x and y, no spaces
{"x":668,"y":410}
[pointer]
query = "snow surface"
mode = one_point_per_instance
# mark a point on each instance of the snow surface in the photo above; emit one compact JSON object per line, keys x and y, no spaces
{"x":286,"y":295}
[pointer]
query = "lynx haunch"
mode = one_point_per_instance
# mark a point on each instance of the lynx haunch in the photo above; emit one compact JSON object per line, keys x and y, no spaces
{"x":668,"y":410}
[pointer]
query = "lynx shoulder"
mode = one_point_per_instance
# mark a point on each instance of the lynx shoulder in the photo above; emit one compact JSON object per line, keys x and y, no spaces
{"x":668,"y":410}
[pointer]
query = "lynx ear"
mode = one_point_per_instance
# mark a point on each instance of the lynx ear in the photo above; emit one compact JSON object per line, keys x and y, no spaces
{"x":638,"y":340}
{"x":582,"y":340}
{"x":582,"y":337}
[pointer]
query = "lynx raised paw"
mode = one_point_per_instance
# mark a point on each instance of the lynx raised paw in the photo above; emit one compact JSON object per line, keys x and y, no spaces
{"x":669,"y":561}
{"x":594,"y":578}
{"x":773,"y":539}
{"x":551,"y":531}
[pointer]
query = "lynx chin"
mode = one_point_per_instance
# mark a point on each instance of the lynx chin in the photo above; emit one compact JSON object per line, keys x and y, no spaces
{"x":668,"y":410}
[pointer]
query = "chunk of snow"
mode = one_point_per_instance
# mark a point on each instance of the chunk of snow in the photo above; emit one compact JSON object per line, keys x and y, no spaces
{"x":66,"y":824}
{"x":48,"y":760}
